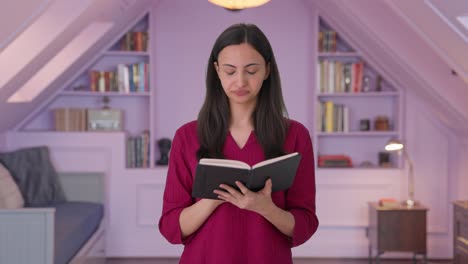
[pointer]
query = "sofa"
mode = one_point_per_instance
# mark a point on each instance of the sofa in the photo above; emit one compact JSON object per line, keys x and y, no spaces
{"x":39,"y":221}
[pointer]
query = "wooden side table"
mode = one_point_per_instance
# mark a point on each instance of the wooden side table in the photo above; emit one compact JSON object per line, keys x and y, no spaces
{"x":460,"y":232}
{"x":399,"y":228}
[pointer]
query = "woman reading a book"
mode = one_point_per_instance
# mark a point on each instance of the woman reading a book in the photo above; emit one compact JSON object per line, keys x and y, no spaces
{"x":243,"y":118}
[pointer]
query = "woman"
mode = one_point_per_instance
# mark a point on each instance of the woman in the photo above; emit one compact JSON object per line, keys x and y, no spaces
{"x":242,"y":118}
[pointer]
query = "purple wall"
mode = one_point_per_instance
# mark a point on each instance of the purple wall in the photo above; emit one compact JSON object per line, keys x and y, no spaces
{"x":185,"y":32}
{"x":182,"y":37}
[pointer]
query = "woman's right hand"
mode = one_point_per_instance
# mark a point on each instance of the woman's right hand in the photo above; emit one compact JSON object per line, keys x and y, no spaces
{"x":194,"y":216}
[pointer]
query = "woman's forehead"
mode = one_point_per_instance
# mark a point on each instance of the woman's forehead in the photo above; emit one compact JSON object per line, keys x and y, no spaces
{"x":240,"y":55}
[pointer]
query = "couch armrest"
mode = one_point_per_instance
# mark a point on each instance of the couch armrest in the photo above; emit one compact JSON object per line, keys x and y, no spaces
{"x":27,"y":235}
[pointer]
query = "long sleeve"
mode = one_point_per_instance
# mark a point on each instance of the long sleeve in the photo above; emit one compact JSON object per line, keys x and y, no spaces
{"x":300,"y":198}
{"x":177,"y":193}
{"x":245,"y":236}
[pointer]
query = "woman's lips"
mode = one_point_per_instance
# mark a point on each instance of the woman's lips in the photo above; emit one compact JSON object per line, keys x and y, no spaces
{"x":241,"y":92}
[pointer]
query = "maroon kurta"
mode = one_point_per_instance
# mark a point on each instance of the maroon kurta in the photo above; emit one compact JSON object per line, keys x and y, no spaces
{"x":230,"y":234}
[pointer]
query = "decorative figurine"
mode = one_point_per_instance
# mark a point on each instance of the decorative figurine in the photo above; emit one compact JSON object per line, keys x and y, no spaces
{"x":384,"y":160}
{"x":381,"y":123}
{"x":378,"y":87}
{"x":164,"y":145}
{"x":365,"y":84}
{"x":364,"y":124}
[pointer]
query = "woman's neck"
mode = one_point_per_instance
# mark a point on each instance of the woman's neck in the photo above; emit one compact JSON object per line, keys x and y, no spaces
{"x":241,"y":117}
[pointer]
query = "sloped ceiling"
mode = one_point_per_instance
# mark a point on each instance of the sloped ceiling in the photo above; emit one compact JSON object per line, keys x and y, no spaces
{"x":450,"y":45}
{"x":119,"y":13}
{"x":403,"y":54}
{"x":408,"y":41}
{"x":15,"y":20}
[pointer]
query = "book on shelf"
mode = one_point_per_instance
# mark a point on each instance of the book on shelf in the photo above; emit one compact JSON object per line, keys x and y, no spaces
{"x":332,"y":117}
{"x":134,"y":41}
{"x":327,"y":41}
{"x":210,"y":173}
{"x":131,"y":78}
{"x":340,"y":77}
{"x":138,"y":150}
{"x":70,"y":119}
{"x":389,"y":203}
{"x":334,"y":161}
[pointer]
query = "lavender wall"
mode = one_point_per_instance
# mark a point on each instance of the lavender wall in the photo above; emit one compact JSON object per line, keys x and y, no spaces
{"x":460,"y":178}
{"x":184,"y":32}
{"x":184,"y":35}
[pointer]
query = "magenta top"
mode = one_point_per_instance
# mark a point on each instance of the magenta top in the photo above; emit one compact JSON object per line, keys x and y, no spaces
{"x":230,"y":234}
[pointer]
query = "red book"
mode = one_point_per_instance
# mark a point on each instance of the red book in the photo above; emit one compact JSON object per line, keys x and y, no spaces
{"x":107,"y":81}
{"x":93,"y":81}
{"x":138,"y":41}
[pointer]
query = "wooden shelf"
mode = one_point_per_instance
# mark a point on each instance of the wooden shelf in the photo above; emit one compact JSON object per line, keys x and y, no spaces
{"x":89,"y":93}
{"x":126,"y":53}
{"x":342,"y":69}
{"x":360,"y":94}
{"x":358,"y":134}
{"x":339,"y":54}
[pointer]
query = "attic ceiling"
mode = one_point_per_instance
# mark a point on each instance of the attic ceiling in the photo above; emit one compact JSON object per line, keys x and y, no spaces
{"x":451,"y":13}
{"x":26,"y":52}
{"x":434,"y":21}
{"x":20,"y":19}
{"x":437,"y":22}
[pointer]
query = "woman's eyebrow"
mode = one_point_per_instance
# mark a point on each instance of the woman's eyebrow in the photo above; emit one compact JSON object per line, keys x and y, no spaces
{"x":248,"y":65}
{"x":252,"y":64}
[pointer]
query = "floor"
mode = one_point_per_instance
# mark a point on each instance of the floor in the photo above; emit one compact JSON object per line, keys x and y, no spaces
{"x":296,"y":261}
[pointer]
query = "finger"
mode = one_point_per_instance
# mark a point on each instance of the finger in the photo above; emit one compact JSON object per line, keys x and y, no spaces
{"x":268,"y":187}
{"x":230,"y":190}
{"x":220,"y":192}
{"x":224,"y":196}
{"x":244,"y":190}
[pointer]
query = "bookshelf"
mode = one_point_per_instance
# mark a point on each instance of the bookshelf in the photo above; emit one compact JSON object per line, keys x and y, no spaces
{"x":357,"y":109}
{"x":118,"y":78}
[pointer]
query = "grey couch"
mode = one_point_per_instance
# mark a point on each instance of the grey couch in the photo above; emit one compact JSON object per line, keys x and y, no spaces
{"x":51,"y":228}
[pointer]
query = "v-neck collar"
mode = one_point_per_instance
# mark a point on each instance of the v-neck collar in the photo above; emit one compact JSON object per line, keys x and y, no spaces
{"x":249,"y":140}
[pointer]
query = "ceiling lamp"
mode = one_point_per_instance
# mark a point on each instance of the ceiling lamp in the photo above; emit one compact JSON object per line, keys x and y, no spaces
{"x":238,"y":4}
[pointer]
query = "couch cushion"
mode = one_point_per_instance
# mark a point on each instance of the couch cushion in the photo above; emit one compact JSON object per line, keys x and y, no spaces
{"x":10,"y":196}
{"x":75,"y":223}
{"x":35,"y":175}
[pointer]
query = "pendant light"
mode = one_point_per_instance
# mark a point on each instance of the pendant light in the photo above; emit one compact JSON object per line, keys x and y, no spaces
{"x":238,"y":4}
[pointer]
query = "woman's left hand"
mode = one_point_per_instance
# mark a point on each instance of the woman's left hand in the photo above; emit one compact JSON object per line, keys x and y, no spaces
{"x":259,"y":202}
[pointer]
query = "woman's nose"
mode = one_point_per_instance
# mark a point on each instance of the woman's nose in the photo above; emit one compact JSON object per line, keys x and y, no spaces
{"x":241,"y":79}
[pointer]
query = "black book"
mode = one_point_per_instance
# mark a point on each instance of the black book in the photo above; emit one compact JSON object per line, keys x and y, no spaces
{"x":210,"y":173}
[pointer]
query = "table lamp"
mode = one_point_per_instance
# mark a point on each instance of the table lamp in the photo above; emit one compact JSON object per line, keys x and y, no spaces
{"x":396,"y":145}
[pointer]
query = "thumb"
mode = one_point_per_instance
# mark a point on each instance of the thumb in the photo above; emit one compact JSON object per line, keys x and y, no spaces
{"x":268,"y":186}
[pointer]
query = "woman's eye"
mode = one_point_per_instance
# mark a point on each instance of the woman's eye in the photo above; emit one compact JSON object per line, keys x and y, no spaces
{"x":229,"y":73}
{"x":251,"y":72}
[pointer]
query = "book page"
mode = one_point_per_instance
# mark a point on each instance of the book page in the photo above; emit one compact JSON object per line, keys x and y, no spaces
{"x":273,"y":160}
{"x":225,"y":163}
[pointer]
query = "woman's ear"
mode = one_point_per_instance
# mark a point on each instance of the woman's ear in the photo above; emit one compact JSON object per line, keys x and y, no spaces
{"x":216,"y":66}
{"x":267,"y":72}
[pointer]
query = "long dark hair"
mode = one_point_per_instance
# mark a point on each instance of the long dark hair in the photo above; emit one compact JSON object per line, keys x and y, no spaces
{"x":269,"y":116}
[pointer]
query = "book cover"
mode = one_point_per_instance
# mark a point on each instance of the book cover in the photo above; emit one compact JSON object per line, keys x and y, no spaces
{"x":210,"y":173}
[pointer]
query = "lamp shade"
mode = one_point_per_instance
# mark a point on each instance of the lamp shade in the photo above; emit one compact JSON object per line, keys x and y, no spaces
{"x":394,"y":145}
{"x":238,"y":4}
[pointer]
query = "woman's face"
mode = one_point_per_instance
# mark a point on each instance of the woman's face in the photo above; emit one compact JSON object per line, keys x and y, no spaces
{"x":242,"y":71}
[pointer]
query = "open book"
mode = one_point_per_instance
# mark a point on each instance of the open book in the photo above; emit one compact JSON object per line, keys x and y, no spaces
{"x":210,"y":173}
